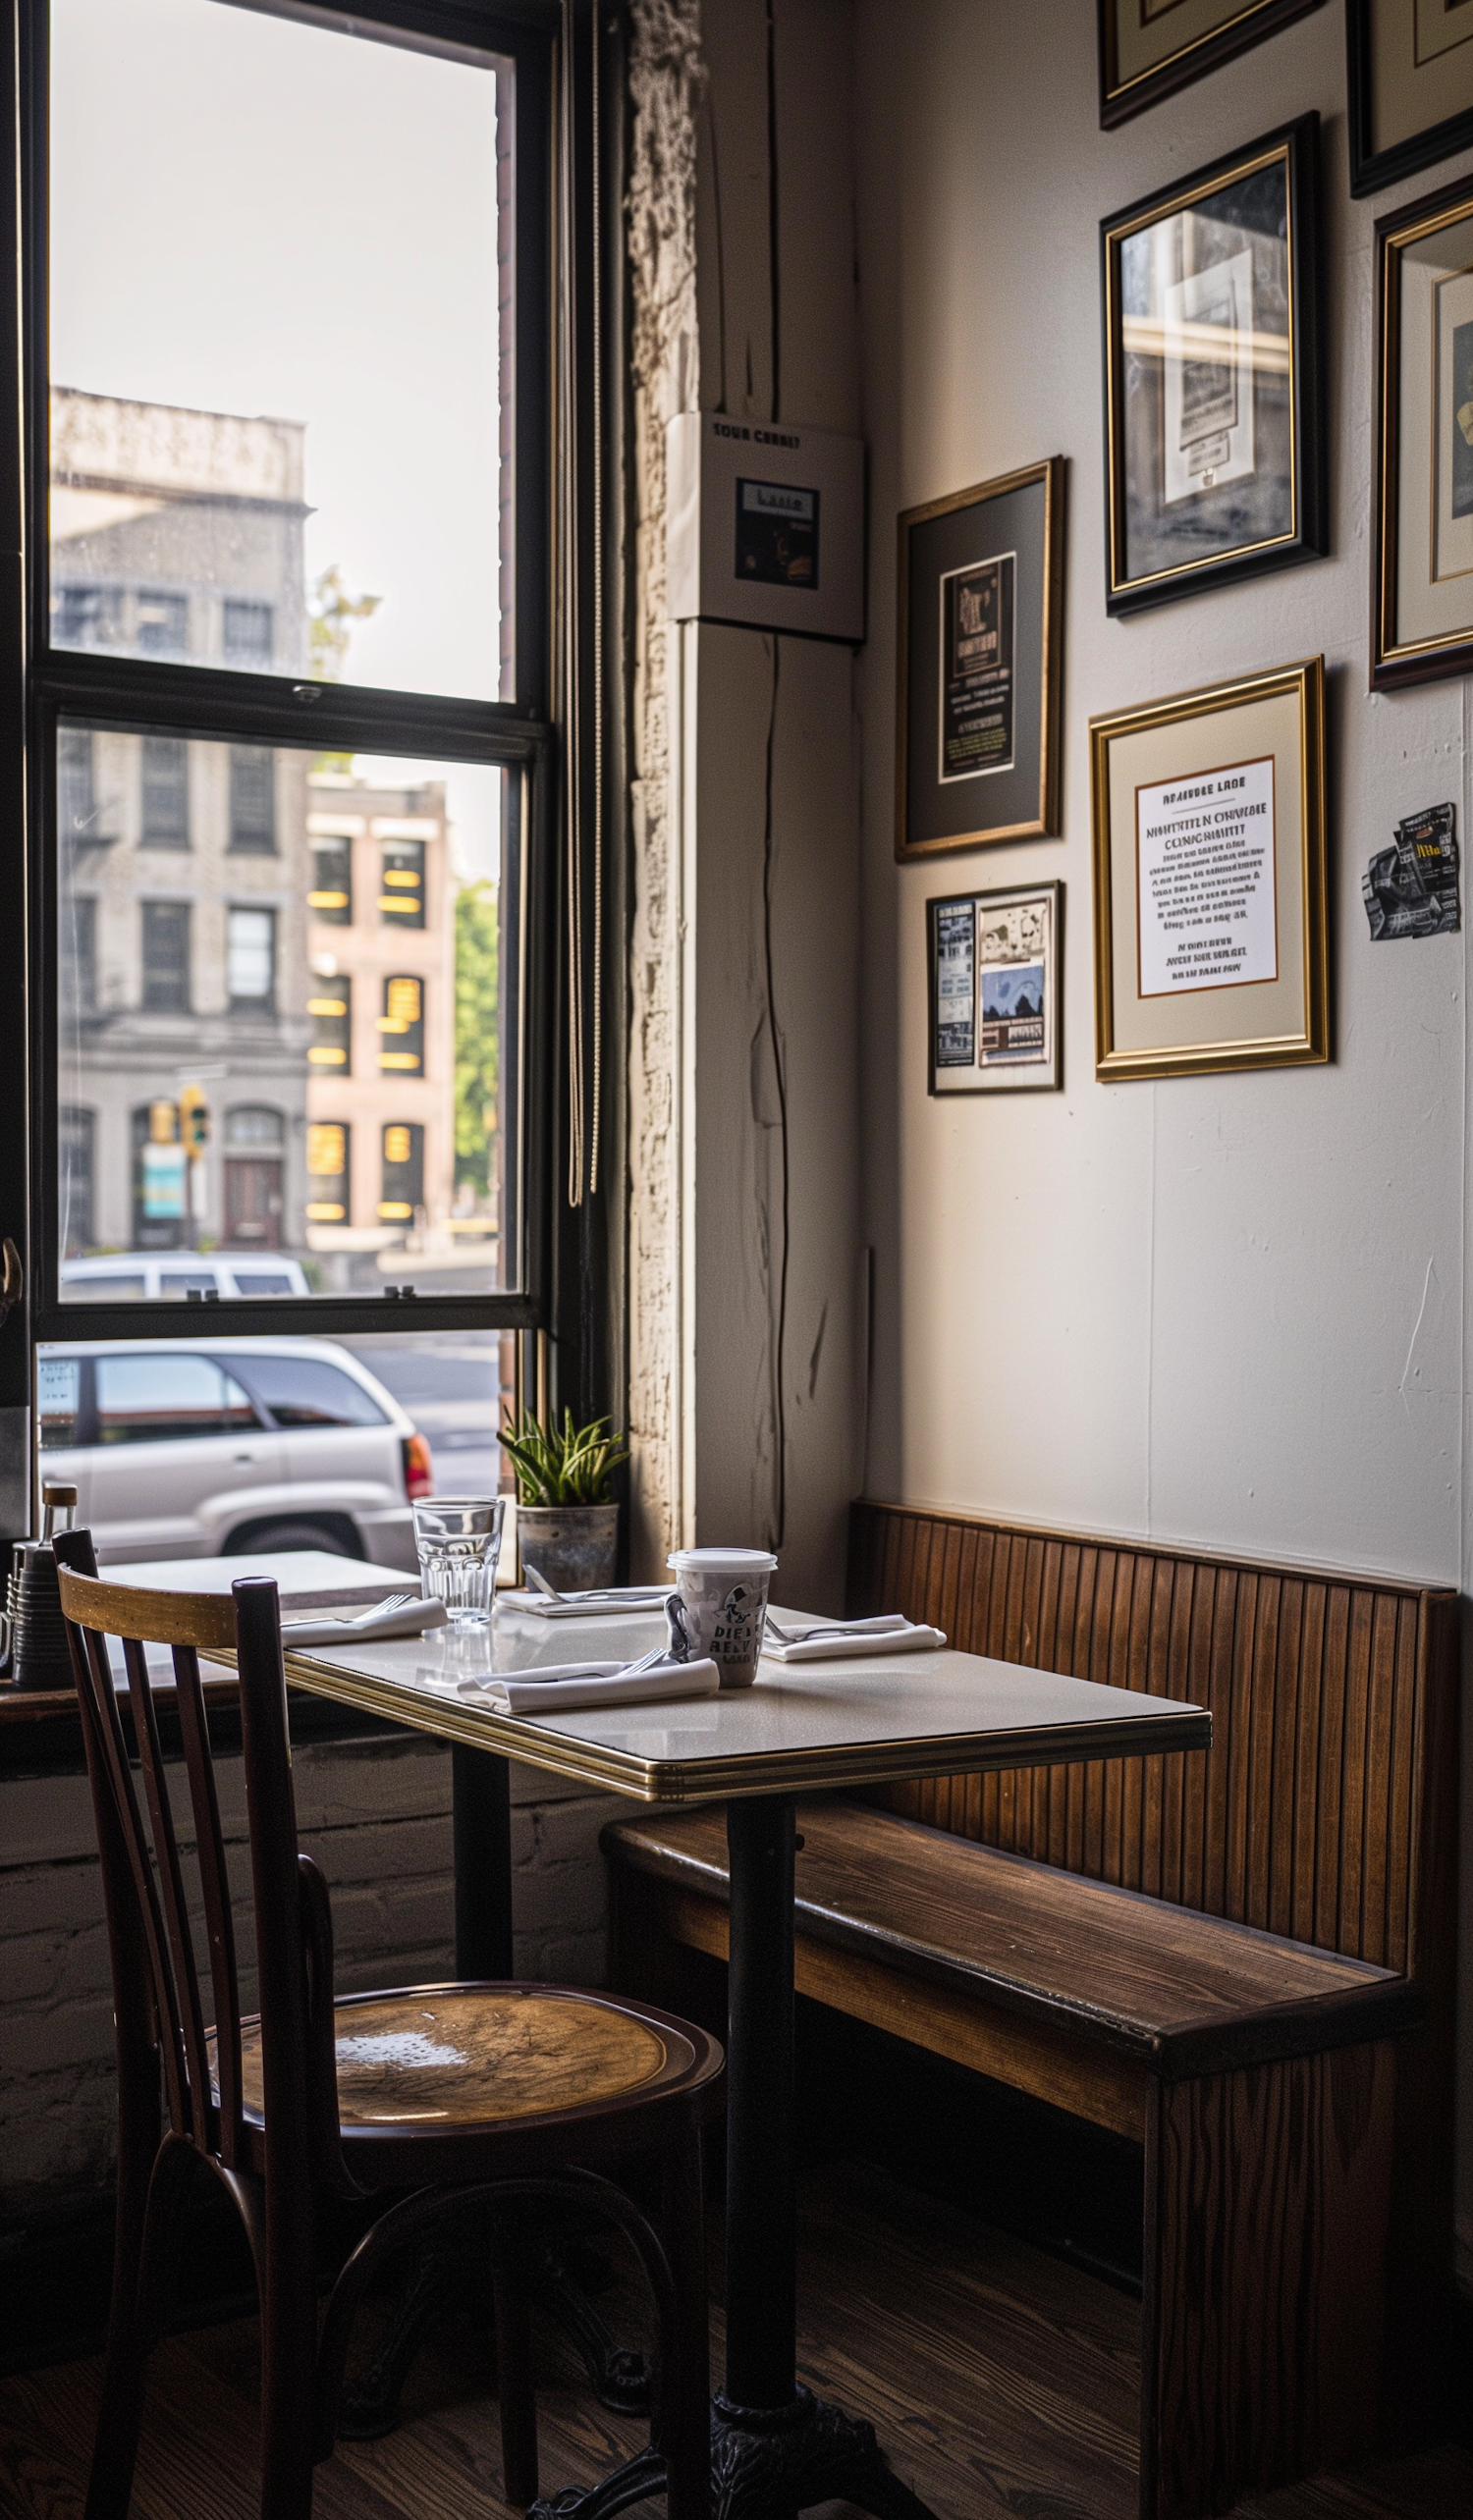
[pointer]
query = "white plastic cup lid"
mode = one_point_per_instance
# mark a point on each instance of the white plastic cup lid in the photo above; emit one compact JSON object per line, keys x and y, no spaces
{"x":721,"y":1560}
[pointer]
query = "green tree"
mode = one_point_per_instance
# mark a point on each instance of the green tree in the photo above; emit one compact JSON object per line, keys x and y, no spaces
{"x":477,"y":934}
{"x":331,"y":614}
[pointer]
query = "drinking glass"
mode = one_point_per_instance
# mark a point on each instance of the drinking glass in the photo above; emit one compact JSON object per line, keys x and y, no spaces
{"x":459,"y":1540}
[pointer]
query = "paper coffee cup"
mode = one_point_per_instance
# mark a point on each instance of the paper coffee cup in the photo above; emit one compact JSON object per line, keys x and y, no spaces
{"x":723,"y":1596}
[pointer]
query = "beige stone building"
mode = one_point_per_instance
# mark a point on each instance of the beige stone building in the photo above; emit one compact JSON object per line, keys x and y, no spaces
{"x":381,"y":999}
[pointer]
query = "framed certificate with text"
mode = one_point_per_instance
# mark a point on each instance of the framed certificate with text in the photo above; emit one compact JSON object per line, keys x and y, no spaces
{"x":1422,"y":594}
{"x":979,"y":650}
{"x":1213,"y":421}
{"x":1209,"y":865}
{"x":994,"y":990}
{"x":1149,"y":48}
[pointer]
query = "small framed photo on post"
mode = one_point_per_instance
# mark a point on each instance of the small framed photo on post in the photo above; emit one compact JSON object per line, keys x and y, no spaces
{"x":1410,"y":86}
{"x":1422,"y":596}
{"x":1214,"y":423}
{"x":1149,"y":48}
{"x":980,"y":651}
{"x":994,"y":990}
{"x":1210,"y":920}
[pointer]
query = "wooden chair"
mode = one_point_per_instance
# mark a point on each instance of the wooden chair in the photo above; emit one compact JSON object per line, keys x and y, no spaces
{"x":435,"y":2104}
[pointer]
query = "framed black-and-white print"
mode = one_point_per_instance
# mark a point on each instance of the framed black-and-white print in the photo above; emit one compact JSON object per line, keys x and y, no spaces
{"x":1410,"y":81}
{"x":1422,"y":593}
{"x":1214,"y":423}
{"x":979,"y":653}
{"x":1149,"y":48}
{"x":994,"y":994}
{"x":1210,"y":918}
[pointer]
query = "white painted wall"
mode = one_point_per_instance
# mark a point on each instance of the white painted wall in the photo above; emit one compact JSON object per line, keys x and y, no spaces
{"x":1229,"y":1311}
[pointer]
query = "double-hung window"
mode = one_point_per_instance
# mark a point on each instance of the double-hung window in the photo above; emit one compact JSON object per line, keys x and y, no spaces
{"x":287,"y":635}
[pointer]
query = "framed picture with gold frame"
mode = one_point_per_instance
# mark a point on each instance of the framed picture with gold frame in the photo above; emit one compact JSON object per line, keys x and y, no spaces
{"x":1410,"y":86}
{"x":1149,"y":48}
{"x":1422,"y":590}
{"x":1209,"y":873}
{"x":1214,"y":420}
{"x":979,"y":654}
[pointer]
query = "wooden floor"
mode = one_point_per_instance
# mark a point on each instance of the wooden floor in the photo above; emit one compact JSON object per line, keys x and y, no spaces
{"x":1003,"y":2382}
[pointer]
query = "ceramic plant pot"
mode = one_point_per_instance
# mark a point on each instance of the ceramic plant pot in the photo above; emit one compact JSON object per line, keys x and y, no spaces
{"x":573,"y":1545}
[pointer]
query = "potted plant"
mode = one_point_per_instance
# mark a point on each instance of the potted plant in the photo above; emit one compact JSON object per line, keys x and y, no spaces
{"x":566,"y":1525}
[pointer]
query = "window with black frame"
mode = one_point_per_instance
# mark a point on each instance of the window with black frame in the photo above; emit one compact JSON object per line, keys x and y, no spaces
{"x":291,"y":750}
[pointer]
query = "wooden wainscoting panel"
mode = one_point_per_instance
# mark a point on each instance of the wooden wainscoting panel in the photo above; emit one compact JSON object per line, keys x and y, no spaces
{"x":1302,"y":1819}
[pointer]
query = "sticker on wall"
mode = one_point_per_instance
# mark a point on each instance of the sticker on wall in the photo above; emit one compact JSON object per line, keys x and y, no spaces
{"x":1411,"y":888}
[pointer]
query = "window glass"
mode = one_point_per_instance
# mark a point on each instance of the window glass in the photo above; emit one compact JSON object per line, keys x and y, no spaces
{"x":264,"y":1281}
{"x":402,"y":900}
{"x":251,"y":215}
{"x":58,"y":1400}
{"x":248,"y":1051}
{"x":251,"y":960}
{"x":162,"y":1397}
{"x":308,"y":1391}
{"x":164,"y":816}
{"x":252,"y":799}
{"x":165,"y":957}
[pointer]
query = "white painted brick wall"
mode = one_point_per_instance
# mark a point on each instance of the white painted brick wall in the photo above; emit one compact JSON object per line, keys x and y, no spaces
{"x":376,"y":1815}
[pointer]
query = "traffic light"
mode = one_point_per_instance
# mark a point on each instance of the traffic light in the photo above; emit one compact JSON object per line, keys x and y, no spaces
{"x":163,"y":1124}
{"x":193,"y":1119}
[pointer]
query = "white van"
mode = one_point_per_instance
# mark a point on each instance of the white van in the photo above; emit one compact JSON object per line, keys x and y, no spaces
{"x":143,"y":1278}
{"x":209,"y":1447}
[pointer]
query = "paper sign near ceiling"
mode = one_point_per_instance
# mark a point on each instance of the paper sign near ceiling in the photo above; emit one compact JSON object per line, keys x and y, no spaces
{"x":766,"y":525}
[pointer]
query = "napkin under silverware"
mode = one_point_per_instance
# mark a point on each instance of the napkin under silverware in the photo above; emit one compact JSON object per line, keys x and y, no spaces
{"x":825,"y":1644}
{"x":625,"y":1600}
{"x":537,"y":1693}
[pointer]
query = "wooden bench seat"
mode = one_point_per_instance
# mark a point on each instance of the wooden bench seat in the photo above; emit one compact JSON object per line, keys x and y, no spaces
{"x":1152,"y":1991}
{"x":1244,"y":1959}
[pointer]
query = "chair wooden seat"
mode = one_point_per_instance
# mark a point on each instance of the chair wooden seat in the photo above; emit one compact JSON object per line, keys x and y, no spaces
{"x":474,"y":2056}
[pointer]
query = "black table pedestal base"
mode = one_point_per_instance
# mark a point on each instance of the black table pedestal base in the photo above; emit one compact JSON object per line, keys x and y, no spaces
{"x":765,"y":2465}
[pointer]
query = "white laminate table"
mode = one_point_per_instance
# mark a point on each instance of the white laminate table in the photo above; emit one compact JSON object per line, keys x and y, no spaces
{"x":803,"y":1727}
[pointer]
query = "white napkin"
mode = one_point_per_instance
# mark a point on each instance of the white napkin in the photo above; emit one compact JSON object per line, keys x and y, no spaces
{"x":824,"y":1643}
{"x":620,"y":1597}
{"x":537,"y":1693}
{"x":324,"y":1629}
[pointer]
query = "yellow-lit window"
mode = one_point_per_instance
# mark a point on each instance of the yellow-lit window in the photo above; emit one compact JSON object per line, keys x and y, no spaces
{"x":402,"y":1026}
{"x":401,"y":902}
{"x":327,"y":1172}
{"x":330,"y":1008}
{"x":402,"y":1172}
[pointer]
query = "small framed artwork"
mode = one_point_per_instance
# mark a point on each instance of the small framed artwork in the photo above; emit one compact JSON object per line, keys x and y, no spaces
{"x":1410,"y":64}
{"x":994,"y":990}
{"x":1213,"y":422}
{"x":1149,"y":48}
{"x":1422,"y":595}
{"x":980,"y":650}
{"x":1209,"y":831}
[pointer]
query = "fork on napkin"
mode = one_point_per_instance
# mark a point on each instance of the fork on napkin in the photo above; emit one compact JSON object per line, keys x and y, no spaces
{"x":538,"y":1692}
{"x":404,"y":1614}
{"x":608,"y":1602}
{"x":828,"y":1639}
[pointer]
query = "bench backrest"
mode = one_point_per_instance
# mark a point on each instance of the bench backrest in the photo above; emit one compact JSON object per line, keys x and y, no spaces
{"x":1326,"y":1808}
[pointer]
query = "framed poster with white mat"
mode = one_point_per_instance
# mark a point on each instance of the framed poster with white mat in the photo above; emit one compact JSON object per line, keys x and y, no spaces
{"x":993,"y":967}
{"x":1422,"y":596}
{"x":979,"y":654}
{"x":1410,"y":86}
{"x":1210,"y":949}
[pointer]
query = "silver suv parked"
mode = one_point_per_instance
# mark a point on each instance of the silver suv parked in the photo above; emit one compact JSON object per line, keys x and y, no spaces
{"x":186,"y":1448}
